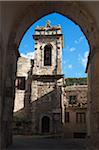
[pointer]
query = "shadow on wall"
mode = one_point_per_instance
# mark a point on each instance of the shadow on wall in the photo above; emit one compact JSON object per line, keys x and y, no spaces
{"x":29,"y":120}
{"x":32,"y":114}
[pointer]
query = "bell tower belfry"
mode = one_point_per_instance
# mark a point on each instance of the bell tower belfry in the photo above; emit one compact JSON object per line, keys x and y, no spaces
{"x":48,"y":49}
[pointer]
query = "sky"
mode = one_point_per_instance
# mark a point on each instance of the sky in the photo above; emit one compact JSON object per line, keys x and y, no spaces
{"x":76,"y":48}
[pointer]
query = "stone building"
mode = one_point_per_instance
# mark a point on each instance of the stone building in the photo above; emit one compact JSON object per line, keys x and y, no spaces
{"x":75,"y":101}
{"x":43,"y":100}
{"x":24,"y":66}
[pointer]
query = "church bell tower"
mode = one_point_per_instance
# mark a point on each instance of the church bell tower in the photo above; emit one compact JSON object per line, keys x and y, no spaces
{"x":47,"y":79}
{"x":48,"y":49}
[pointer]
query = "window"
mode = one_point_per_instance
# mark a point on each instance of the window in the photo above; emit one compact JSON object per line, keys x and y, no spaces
{"x":72,"y":99}
{"x":47,"y":55}
{"x":66,"y":116}
{"x":20,"y":83}
{"x":80,"y":117}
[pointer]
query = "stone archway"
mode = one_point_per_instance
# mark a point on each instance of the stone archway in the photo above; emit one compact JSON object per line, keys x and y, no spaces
{"x":76,"y":12}
{"x":81,"y":17}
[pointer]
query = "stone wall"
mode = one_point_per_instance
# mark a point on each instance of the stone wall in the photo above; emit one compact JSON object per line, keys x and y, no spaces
{"x":24,"y":66}
{"x":45,"y":102}
{"x":43,"y":36}
{"x":8,"y":91}
{"x":81,"y":91}
{"x":72,"y":128}
{"x":93,"y":101}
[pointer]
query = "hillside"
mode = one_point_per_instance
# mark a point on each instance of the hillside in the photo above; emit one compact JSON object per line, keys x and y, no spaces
{"x":76,"y":81}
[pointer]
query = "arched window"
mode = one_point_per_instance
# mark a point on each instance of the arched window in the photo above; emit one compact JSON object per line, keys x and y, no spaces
{"x":48,"y":55}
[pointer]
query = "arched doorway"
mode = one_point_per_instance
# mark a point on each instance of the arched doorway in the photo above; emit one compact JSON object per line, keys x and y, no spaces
{"x":45,"y":124}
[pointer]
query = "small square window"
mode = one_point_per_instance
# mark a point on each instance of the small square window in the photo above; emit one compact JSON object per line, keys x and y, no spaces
{"x":72,"y":99}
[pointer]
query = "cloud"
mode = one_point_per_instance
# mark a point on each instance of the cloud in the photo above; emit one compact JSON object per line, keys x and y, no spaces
{"x":72,"y":49}
{"x":79,"y":40}
{"x":83,"y":60}
{"x":29,"y":55}
{"x":70,"y":66}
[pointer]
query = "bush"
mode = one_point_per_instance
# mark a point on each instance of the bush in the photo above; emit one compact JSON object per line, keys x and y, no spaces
{"x":76,"y":81}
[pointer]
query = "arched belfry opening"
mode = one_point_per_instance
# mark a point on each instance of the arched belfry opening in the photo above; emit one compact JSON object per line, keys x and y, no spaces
{"x":45,"y":124}
{"x":48,"y":55}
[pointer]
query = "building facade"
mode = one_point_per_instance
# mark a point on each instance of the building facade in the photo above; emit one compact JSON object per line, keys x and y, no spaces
{"x":43,"y":100}
{"x":75,"y":101}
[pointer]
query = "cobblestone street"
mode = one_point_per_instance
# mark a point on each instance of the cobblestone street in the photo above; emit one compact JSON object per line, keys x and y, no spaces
{"x":46,"y":143}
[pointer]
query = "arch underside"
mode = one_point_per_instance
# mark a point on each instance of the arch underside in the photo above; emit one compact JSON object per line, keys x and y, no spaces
{"x":71,"y":10}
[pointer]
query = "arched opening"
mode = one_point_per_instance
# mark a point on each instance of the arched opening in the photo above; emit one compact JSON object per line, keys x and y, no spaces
{"x":74,"y":40}
{"x":53,"y":44}
{"x":45,"y":124}
{"x":48,"y":55}
{"x":71,"y":16}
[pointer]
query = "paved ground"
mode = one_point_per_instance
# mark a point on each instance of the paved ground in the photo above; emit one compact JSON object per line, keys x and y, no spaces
{"x":46,"y":143}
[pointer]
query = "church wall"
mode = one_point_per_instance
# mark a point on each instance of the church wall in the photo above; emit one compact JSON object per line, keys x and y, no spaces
{"x":45,"y":94}
{"x":47,"y":102}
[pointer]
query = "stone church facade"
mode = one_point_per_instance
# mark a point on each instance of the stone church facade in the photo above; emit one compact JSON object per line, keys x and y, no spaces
{"x":41,"y":97}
